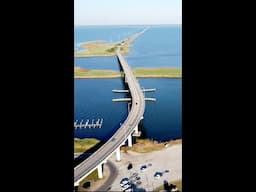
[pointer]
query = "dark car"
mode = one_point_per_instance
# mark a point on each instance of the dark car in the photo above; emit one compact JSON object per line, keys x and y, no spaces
{"x":129,"y":166}
{"x":137,"y":178}
{"x":113,"y":139}
{"x":143,"y":167}
{"x":135,"y":174}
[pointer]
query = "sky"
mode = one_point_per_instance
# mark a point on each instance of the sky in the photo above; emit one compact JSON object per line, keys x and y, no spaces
{"x":127,"y":12}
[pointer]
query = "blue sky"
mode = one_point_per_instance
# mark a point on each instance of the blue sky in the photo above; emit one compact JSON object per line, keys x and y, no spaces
{"x":114,"y":12}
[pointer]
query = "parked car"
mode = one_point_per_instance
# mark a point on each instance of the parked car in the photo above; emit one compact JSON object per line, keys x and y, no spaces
{"x":129,"y":166}
{"x":124,"y":181}
{"x":129,"y":189}
{"x":157,"y":175}
{"x":137,"y":178}
{"x":126,"y":186}
{"x":143,"y":168}
{"x":135,"y":174}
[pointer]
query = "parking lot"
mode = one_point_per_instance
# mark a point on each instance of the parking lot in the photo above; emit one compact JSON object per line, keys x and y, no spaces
{"x":167,"y":162}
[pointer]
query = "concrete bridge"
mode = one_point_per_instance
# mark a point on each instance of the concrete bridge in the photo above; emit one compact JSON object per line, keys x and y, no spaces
{"x":125,"y":132}
{"x":128,"y":129}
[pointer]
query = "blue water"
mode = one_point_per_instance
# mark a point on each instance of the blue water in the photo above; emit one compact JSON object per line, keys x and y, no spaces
{"x":160,"y":46}
{"x":109,"y":63}
{"x":162,"y":119}
{"x":93,"y":100}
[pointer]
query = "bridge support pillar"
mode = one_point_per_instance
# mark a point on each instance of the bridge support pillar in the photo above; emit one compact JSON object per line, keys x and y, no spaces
{"x":136,"y":129}
{"x":130,"y":140}
{"x":125,"y":79}
{"x":118,"y":154}
{"x":100,"y":171}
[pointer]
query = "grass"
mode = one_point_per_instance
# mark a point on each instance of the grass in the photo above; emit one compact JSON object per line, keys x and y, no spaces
{"x":82,"y":73}
{"x":158,"y":72}
{"x":138,"y":72}
{"x":177,"y":183}
{"x":147,"y":145}
{"x":100,"y":48}
{"x":82,"y":145}
{"x":92,"y":178}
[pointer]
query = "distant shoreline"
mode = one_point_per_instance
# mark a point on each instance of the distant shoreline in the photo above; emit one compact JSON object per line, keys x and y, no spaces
{"x":114,"y":77}
{"x":80,"y":73}
{"x":130,"y":25}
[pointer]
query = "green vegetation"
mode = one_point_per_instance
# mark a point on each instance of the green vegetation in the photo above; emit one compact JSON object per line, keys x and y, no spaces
{"x":82,"y":73}
{"x":139,"y":72}
{"x":147,"y":145}
{"x":158,"y":72}
{"x":82,"y":145}
{"x":92,"y":178}
{"x":100,"y":48}
{"x":177,"y":183}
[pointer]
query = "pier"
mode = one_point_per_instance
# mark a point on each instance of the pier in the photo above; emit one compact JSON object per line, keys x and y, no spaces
{"x":87,"y":124}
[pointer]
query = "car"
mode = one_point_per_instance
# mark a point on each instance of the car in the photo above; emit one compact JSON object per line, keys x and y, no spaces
{"x":124,"y":183}
{"x":138,"y":182}
{"x":126,"y":186}
{"x":137,"y":178}
{"x":167,"y":171}
{"x":124,"y":180}
{"x":157,"y":175}
{"x":129,"y":189}
{"x":143,"y":168}
{"x":150,"y":164}
{"x":129,"y":166}
{"x":135,"y":174}
{"x":113,"y":139}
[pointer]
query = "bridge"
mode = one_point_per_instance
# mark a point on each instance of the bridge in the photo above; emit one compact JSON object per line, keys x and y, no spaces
{"x":128,"y":129}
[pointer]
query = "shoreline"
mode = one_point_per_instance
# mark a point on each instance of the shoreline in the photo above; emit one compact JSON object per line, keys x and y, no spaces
{"x":99,"y":48}
{"x":141,"y":76}
{"x":81,"y":73}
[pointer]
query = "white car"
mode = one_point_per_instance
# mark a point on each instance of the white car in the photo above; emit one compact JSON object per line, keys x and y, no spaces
{"x":158,"y":175}
{"x":128,"y":190}
{"x":128,"y":185}
{"x":123,"y":183}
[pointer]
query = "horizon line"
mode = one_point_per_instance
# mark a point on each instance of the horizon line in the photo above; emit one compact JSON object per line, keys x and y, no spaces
{"x":124,"y":24}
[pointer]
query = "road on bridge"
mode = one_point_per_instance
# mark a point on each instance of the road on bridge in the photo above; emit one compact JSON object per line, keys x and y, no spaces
{"x":120,"y":136}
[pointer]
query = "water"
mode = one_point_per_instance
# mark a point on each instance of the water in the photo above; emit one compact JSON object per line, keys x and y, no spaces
{"x":162,"y":119}
{"x":157,"y":47}
{"x":93,"y":100}
{"x":160,"y":46}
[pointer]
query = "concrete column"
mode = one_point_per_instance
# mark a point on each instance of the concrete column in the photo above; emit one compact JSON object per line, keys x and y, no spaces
{"x":100,"y":171}
{"x":118,"y":154}
{"x":130,"y":140}
{"x":76,"y":184}
{"x":136,"y":129}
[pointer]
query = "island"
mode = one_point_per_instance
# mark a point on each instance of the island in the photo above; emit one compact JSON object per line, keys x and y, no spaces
{"x":80,"y":73}
{"x":101,"y":48}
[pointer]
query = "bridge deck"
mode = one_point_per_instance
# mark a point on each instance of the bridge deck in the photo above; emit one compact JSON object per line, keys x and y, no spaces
{"x":133,"y":119}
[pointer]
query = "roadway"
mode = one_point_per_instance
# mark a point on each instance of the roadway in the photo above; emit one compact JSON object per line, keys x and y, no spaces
{"x":111,"y":178}
{"x":120,"y":136}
